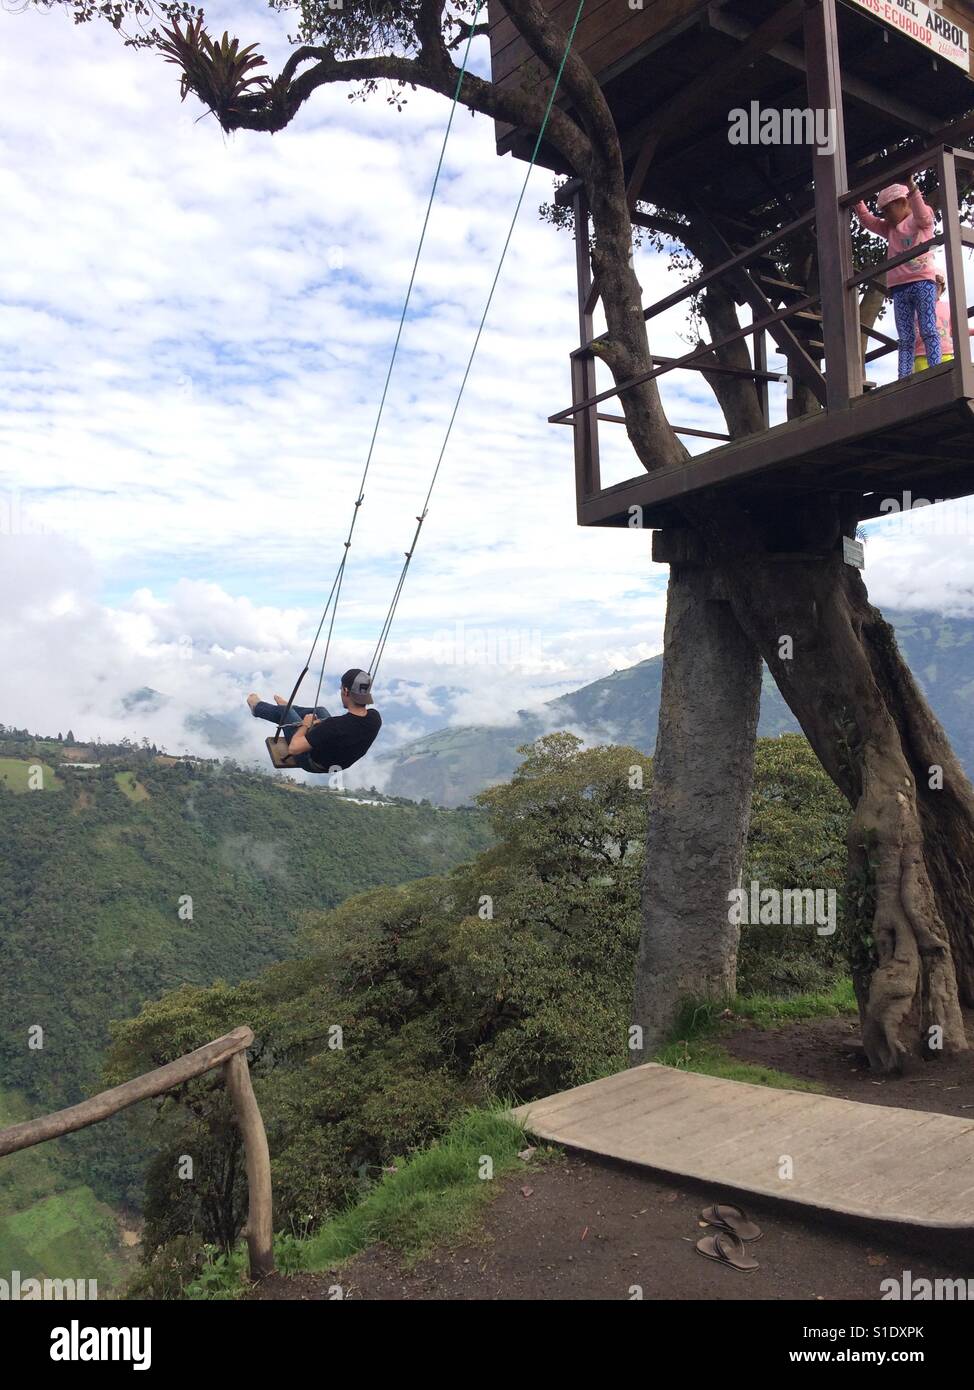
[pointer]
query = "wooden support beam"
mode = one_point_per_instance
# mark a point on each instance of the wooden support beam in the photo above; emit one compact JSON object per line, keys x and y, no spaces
{"x":671,"y":165}
{"x":673,"y":364}
{"x":866,"y":93}
{"x":735,"y":259}
{"x":922,"y":453}
{"x":862,"y":276}
{"x":887,"y":169}
{"x":677,"y":429}
{"x":840,"y":303}
{"x":719,"y":369}
{"x":714,"y":368}
{"x":799,"y":363}
{"x":761,"y":362}
{"x":647,"y":134}
{"x":588,"y":480}
{"x":954,"y":257}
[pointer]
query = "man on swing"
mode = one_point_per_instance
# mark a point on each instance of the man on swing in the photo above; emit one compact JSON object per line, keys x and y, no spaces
{"x":324,"y":743}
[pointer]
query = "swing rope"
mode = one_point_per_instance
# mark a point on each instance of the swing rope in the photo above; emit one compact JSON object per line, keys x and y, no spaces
{"x":390,"y":615}
{"x":336,"y":586}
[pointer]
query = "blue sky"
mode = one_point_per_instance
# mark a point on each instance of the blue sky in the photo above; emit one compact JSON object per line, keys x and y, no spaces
{"x":194,"y":331}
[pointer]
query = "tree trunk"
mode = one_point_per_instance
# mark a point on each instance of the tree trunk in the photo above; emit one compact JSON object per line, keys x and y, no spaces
{"x":699,"y":808}
{"x":910,"y":904}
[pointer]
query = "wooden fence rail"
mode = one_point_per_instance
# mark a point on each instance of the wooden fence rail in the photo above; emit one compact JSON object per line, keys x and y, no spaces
{"x":227,"y":1052}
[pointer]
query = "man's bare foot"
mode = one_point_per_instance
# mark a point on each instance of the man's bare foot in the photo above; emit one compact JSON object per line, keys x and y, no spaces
{"x":280,"y":700}
{"x":253,"y":700}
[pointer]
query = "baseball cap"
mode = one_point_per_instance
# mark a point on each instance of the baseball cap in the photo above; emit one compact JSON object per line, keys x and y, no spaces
{"x":890,"y":194}
{"x":359,"y":686}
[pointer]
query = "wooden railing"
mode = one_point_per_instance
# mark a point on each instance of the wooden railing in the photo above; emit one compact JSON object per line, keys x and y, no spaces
{"x":228,"y":1052}
{"x":840,"y":281}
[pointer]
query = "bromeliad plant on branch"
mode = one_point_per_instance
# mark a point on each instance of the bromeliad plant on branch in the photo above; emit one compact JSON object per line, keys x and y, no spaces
{"x":219,"y":73}
{"x":911,"y":843}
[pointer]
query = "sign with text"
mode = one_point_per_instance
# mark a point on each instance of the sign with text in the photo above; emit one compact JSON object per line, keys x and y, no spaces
{"x":854,"y":552}
{"x":931,"y":25}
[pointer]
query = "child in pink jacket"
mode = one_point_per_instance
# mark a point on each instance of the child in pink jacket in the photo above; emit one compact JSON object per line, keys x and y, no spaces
{"x":907,"y":221}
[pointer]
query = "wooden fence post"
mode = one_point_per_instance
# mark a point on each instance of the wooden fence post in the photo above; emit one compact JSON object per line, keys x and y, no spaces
{"x":260,"y":1224}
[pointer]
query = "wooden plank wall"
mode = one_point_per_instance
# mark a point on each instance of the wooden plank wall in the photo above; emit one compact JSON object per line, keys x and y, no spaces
{"x":608,"y":30}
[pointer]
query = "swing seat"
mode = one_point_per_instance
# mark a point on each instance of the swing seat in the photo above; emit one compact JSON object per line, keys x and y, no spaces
{"x":280,"y":754}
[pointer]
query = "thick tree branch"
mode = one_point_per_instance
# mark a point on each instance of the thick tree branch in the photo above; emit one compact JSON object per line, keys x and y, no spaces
{"x":467,"y":31}
{"x":273,"y":110}
{"x":429,"y":31}
{"x":548,"y":41}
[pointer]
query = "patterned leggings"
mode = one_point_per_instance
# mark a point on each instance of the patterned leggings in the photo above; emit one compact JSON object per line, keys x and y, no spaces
{"x":914,"y":302}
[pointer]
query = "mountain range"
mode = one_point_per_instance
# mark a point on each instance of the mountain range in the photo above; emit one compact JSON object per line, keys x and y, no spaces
{"x":450,"y":766}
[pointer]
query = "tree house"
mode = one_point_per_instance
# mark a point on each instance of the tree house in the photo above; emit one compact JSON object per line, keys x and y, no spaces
{"x":673,"y":71}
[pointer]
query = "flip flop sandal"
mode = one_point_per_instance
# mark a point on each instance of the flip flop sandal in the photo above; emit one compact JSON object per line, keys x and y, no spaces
{"x":731,"y":1219}
{"x":726,"y":1250}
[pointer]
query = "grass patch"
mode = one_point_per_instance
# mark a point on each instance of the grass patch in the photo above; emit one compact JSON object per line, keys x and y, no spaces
{"x":710,"y":1059}
{"x":15,"y":775}
{"x":696,"y":1038}
{"x":769,"y":1011}
{"x":436,"y":1194}
{"x":131,"y":788}
{"x":432,"y":1197}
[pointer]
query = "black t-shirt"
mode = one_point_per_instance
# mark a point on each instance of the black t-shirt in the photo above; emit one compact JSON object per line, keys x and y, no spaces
{"x":341,"y":740}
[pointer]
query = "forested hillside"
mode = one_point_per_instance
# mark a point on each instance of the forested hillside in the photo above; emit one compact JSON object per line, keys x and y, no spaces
{"x":122,"y":881}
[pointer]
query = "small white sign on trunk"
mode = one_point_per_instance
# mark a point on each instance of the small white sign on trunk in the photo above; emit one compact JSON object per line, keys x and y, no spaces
{"x":854,"y":553}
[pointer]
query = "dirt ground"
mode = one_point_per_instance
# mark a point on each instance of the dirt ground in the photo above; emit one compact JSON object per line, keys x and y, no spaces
{"x":577,"y":1229}
{"x":827,"y":1050}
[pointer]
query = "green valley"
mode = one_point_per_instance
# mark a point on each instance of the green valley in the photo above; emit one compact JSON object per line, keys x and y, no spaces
{"x":144,"y":873}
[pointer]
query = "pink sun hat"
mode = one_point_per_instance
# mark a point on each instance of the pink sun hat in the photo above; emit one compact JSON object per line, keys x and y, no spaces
{"x":890,"y":194}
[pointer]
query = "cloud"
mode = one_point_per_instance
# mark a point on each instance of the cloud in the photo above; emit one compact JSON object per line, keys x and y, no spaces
{"x":194,"y":336}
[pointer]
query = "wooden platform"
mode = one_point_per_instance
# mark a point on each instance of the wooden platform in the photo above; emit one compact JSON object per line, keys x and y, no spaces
{"x":881,"y":1163}
{"x":915,"y":435}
